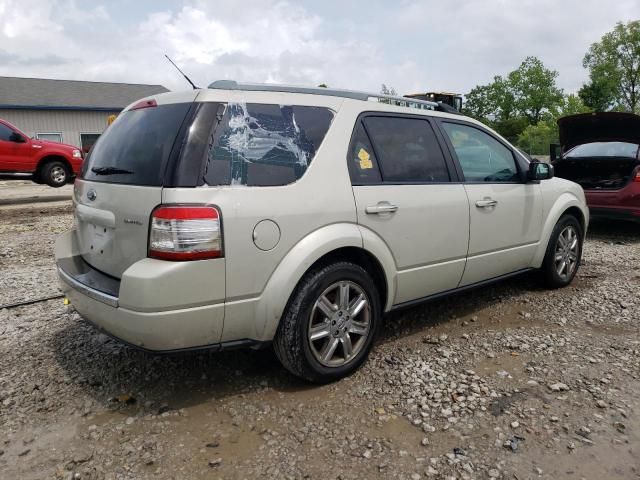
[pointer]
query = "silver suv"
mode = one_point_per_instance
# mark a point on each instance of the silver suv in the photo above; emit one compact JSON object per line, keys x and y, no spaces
{"x":241,"y":215}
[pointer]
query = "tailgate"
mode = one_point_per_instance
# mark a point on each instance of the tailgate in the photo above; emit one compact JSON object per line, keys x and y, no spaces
{"x":122,"y":181}
{"x":113,"y":223}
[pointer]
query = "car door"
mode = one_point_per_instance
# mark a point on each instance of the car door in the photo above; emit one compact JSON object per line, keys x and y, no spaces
{"x":7,"y":149}
{"x":404,"y":188}
{"x":14,"y":155}
{"x":505,"y":209}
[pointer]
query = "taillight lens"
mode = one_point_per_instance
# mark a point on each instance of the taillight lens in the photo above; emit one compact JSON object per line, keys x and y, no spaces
{"x":637,"y":177}
{"x":185,"y":232}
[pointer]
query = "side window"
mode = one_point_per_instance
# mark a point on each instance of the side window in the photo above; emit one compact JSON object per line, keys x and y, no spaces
{"x":50,"y":137}
{"x":87,"y":140}
{"x":363,"y":165}
{"x":408,"y":150}
{"x":482,"y":157}
{"x":5,"y":133}
{"x":265,"y":144}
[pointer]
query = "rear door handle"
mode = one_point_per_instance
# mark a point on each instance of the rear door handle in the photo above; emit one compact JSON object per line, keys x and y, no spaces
{"x":486,"y":203}
{"x":382,"y":207}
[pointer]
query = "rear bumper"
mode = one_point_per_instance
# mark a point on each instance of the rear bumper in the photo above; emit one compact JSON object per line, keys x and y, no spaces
{"x":139,"y":309}
{"x":78,"y":275}
{"x":156,"y":331}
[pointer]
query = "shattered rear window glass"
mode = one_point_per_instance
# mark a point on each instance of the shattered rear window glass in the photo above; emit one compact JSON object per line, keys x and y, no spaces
{"x":264,"y":144}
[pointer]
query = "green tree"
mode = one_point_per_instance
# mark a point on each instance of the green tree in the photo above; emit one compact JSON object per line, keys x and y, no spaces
{"x":614,"y":68}
{"x":511,"y":128}
{"x":528,"y":92}
{"x":534,"y":89}
{"x":598,"y":95}
{"x":477,"y":103}
{"x":535,"y":139}
{"x":504,"y":99}
{"x":493,"y":101}
{"x":572,"y":105}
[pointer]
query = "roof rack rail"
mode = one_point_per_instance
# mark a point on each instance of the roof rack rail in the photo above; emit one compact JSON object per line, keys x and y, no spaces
{"x":331,"y":92}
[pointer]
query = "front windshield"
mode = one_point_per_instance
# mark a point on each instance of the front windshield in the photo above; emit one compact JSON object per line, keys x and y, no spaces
{"x":604,"y":149}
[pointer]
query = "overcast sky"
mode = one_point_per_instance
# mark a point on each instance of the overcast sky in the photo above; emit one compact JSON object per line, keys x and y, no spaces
{"x":411,"y":45}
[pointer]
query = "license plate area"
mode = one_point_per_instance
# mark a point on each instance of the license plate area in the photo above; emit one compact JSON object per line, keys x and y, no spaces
{"x":97,"y":239}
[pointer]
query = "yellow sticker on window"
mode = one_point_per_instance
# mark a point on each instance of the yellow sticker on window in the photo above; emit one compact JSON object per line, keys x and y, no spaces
{"x":365,"y":159}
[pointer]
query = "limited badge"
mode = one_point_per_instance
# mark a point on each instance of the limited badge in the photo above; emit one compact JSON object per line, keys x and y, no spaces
{"x":365,"y":159}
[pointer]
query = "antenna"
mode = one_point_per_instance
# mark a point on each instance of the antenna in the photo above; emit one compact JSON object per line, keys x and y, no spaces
{"x":183,"y":74}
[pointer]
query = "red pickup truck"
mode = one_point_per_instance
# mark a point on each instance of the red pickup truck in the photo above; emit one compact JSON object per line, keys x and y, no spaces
{"x":49,"y":162}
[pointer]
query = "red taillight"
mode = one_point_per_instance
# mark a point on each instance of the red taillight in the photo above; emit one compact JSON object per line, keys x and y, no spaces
{"x":637,"y":177}
{"x":144,"y":104}
{"x":185,"y":232}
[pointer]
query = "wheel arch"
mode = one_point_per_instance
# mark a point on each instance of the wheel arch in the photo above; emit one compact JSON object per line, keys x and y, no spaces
{"x":564,"y":204}
{"x":338,"y":242}
{"x":52,"y":157}
{"x":359,"y":256}
{"x":579,"y":214}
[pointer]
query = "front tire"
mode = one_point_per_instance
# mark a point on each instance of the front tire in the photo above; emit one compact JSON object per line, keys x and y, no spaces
{"x":330,"y":323}
{"x":55,"y":174}
{"x":564,"y":252}
{"x":36,"y":177}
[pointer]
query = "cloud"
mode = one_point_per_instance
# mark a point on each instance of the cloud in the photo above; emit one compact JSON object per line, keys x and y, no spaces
{"x":12,"y":59}
{"x":477,"y":40}
{"x":411,"y":45}
{"x":264,"y":41}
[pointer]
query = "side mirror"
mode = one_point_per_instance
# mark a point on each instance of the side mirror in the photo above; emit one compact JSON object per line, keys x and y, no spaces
{"x":16,"y":137}
{"x":540,"y":171}
{"x":554,"y":152}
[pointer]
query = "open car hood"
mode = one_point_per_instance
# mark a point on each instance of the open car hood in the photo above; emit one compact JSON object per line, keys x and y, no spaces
{"x":598,"y":127}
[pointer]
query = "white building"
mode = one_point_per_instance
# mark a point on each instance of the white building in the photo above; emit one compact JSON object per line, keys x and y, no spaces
{"x":68,"y":111}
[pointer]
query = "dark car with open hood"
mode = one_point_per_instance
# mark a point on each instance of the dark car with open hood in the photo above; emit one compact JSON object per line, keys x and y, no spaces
{"x":600,"y":152}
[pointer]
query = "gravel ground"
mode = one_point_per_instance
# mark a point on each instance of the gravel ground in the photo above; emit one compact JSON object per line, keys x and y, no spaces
{"x":509,"y":381}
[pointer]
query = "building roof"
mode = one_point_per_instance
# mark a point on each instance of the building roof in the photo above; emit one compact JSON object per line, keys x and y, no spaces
{"x":48,"y":94}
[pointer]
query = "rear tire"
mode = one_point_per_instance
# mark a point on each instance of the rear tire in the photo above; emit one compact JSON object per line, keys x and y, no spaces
{"x":564,"y":252}
{"x":330,"y":323}
{"x":54,"y":173}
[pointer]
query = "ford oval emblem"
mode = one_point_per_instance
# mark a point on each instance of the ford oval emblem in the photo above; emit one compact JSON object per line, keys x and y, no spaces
{"x":91,"y":195}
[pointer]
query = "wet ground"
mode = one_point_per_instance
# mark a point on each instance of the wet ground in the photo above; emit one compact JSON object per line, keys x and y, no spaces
{"x":509,"y":381}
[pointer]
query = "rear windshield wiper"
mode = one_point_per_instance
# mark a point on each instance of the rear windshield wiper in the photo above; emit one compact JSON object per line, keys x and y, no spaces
{"x":110,"y":171}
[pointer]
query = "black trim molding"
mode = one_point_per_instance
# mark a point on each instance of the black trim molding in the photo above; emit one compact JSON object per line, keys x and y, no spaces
{"x":472,"y":286}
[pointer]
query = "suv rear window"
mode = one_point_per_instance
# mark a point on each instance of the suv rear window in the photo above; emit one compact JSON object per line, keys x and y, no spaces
{"x":264,"y":144}
{"x":135,"y":148}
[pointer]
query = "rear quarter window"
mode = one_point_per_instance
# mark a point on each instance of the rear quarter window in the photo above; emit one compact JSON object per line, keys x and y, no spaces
{"x":264,"y":144}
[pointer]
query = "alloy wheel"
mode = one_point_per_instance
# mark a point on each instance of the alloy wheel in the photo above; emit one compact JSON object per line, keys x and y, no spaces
{"x":339,"y":324}
{"x":566,"y":253}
